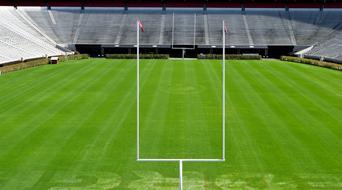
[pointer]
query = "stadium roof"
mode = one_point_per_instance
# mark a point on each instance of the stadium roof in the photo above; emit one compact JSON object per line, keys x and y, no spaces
{"x":178,"y":3}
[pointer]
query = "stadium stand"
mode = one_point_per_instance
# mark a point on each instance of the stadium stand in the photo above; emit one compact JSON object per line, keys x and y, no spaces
{"x":260,"y":27}
{"x":329,"y":50}
{"x":267,"y":28}
{"x":19,"y":41}
{"x":250,"y":24}
{"x":237,"y":32}
{"x":184,"y":29}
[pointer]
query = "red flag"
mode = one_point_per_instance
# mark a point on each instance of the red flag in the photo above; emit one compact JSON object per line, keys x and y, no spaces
{"x":141,"y":26}
{"x":225,"y":29}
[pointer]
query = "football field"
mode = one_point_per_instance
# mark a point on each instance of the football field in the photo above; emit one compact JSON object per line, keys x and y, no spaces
{"x":72,"y":126}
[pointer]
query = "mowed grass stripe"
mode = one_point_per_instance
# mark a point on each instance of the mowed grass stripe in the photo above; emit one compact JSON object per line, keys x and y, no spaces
{"x":26,"y":114}
{"x":315,"y":101}
{"x":322,"y":92}
{"x":153,"y":97}
{"x":113,"y":127}
{"x":270,"y":105}
{"x":245,"y":96}
{"x":29,"y":120}
{"x":91,"y":105}
{"x":76,"y":143}
{"x":173,"y":137}
{"x":109,"y":107}
{"x":65,"y":130}
{"x":209,"y":72}
{"x":45,"y":147}
{"x":23,"y":78}
{"x":288,"y":114}
{"x":30,"y":84}
{"x":116,"y":145}
{"x":234,"y":129}
{"x":172,"y":123}
{"x":315,"y":75}
{"x":188,"y":105}
{"x":192,"y":108}
{"x":215,"y":99}
{"x":313,"y":125}
{"x":23,"y":108}
{"x":315,"y":105}
{"x":297,"y":107}
{"x":117,"y":151}
{"x":282,"y":129}
{"x":318,"y":90}
{"x":209,"y":111}
{"x":36,"y":137}
{"x":167,"y":145}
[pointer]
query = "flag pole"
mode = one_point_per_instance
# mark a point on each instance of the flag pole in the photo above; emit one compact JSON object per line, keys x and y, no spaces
{"x":224,"y":91}
{"x":138,"y":93}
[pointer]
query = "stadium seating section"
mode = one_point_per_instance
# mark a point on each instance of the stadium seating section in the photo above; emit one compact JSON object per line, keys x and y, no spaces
{"x":21,"y":41}
{"x":35,"y":31}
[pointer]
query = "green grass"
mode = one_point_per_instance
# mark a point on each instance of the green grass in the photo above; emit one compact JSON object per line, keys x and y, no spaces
{"x":73,"y":126}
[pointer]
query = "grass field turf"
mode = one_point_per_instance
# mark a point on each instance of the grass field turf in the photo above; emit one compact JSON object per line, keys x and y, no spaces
{"x":72,"y":126}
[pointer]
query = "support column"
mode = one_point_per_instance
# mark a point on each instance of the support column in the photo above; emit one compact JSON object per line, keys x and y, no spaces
{"x":180,"y":174}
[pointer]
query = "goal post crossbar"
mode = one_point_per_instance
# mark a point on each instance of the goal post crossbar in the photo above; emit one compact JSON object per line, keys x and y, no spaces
{"x":177,"y":160}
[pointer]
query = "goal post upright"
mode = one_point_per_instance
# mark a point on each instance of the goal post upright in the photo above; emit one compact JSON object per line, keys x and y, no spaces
{"x":138,"y":93}
{"x":223,"y":90}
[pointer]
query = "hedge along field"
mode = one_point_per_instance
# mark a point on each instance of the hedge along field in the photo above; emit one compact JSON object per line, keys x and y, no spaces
{"x":72,"y":126}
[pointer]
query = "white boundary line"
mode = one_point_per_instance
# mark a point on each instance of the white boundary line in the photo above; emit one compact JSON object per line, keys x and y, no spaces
{"x":223,"y":115}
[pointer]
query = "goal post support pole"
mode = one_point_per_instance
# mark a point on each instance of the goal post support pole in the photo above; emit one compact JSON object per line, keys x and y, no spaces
{"x":180,"y":174}
{"x":223,"y":90}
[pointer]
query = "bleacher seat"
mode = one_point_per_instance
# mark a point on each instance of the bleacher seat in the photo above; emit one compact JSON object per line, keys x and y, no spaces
{"x":21,"y":41}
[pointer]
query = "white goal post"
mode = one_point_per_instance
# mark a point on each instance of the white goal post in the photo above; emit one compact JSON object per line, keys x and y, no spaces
{"x":181,"y":160}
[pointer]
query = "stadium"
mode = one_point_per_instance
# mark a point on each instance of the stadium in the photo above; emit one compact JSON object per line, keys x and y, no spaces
{"x":170,"y":94}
